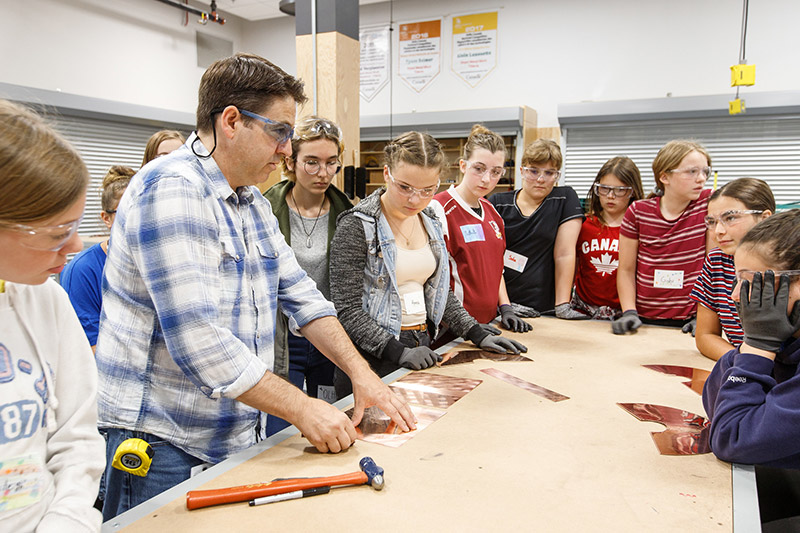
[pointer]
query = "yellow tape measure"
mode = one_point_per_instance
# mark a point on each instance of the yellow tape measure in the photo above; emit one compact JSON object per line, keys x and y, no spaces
{"x":133,"y":456}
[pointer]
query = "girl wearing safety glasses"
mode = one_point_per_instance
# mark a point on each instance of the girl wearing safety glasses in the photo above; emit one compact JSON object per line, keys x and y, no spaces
{"x":51,"y":454}
{"x":390,"y":277}
{"x":616,"y":186}
{"x":475,"y":233}
{"x":732,"y":210}
{"x":753,"y":393}
{"x":663,"y":242}
{"x":306,"y":205}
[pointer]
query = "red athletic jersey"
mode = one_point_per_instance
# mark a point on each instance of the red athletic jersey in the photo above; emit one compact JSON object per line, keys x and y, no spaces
{"x":476,"y":245}
{"x":598,"y":259}
{"x":671,"y":255}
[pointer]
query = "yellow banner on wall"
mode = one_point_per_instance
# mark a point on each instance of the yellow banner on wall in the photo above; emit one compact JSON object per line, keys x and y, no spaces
{"x":474,"y":46}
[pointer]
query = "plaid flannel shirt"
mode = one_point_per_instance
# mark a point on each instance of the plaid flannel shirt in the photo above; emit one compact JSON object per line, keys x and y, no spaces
{"x":195,"y":276}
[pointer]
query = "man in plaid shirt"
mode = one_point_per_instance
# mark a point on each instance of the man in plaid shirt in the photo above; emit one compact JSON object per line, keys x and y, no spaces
{"x":197,"y":270}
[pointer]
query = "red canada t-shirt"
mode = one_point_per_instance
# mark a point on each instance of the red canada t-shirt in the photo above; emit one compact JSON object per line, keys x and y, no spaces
{"x":597,"y":259}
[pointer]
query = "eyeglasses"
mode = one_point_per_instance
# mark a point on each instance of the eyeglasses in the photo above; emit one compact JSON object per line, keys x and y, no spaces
{"x":280,"y":131}
{"x":480,"y":169}
{"x":533,"y":173}
{"x":729,"y":218}
{"x":605,"y":190}
{"x":326,"y":127}
{"x":312,"y":167}
{"x":408,"y":191}
{"x":45,"y":238}
{"x":747,"y":275}
{"x":693,"y":173}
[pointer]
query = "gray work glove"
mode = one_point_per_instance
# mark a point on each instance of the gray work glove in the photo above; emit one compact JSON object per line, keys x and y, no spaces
{"x":566,"y":312}
{"x":524,"y":311}
{"x":690,"y":326}
{"x":763,"y":312}
{"x":629,"y":321}
{"x":511,"y":321}
{"x":496,"y":343}
{"x":490,"y":329}
{"x":418,"y":358}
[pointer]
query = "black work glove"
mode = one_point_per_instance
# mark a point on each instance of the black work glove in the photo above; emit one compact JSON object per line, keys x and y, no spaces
{"x":524,"y":311}
{"x":419,"y":358}
{"x":490,"y":329}
{"x":629,"y":321}
{"x":566,"y":312}
{"x":496,"y":343}
{"x":690,"y":326}
{"x":511,"y":321}
{"x":763,"y":312}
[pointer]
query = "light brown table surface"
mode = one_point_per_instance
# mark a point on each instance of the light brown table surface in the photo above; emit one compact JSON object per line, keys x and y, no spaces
{"x":503,"y":458}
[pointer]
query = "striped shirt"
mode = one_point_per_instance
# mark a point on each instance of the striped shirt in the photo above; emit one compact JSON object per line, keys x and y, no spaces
{"x":671,"y":254}
{"x":713,"y":290}
{"x":195,"y":276}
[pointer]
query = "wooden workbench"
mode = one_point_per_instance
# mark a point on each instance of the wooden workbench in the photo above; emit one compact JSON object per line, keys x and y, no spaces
{"x":502,"y":458}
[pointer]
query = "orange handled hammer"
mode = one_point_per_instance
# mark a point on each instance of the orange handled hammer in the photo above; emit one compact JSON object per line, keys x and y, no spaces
{"x":370,"y":474}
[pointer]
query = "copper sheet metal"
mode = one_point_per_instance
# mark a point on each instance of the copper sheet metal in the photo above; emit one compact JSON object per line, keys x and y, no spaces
{"x":468,"y":356}
{"x":377,"y":427}
{"x":686,"y":433}
{"x":421,"y":387}
{"x":536,"y":389}
{"x":697,"y":376}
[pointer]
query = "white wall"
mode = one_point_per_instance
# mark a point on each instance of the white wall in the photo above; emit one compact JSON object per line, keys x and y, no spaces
{"x":568,"y":51}
{"x":550,"y":52}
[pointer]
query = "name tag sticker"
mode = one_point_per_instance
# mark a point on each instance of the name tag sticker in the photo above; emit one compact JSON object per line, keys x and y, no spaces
{"x":20,"y":482}
{"x":414,"y":303}
{"x":514,"y":261}
{"x":472,"y":232}
{"x":668,"y":279}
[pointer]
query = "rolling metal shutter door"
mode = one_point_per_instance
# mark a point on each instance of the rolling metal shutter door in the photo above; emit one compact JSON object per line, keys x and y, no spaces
{"x":102,"y":144}
{"x":761,"y":147}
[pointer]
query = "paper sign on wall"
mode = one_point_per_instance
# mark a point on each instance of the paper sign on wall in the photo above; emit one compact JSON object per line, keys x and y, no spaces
{"x":419,"y":52}
{"x":474,"y":46}
{"x":374,"y":42}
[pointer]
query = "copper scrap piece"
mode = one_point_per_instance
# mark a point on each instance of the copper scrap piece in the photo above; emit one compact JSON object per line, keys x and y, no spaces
{"x":468,"y":356}
{"x":686,"y":433}
{"x":377,"y":427}
{"x":697,"y":376}
{"x":421,"y":387}
{"x":536,"y":389}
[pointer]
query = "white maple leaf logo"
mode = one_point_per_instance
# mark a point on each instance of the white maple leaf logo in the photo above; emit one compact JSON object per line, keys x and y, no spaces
{"x":605,"y":265}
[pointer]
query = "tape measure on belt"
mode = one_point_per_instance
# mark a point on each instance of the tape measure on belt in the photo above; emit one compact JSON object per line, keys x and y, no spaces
{"x":133,"y":456}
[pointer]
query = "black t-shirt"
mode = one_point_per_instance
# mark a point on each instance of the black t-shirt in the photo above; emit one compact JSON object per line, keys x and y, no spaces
{"x":531,"y":240}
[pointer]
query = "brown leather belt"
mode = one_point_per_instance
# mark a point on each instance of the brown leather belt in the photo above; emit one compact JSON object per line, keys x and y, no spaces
{"x":418,"y":327}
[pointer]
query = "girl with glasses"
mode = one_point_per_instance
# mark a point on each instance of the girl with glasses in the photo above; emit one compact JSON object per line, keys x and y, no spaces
{"x":475,"y":233}
{"x":542,"y":223}
{"x":662,"y":242}
{"x":733,"y":209}
{"x":83,"y":276}
{"x":616,"y":186}
{"x":50,"y":451}
{"x":390,"y":277}
{"x":753,"y":393}
{"x":306,"y":205}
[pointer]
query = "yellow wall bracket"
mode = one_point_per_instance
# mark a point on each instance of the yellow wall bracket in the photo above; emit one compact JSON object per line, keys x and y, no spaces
{"x":736,"y":107}
{"x":743,"y":75}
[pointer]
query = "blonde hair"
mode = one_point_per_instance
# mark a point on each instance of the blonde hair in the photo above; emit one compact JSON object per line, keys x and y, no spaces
{"x":415,"y":148}
{"x":311,"y":129}
{"x":41,"y":174}
{"x":482,"y":137}
{"x":671,"y":155}
{"x":151,"y":150}
{"x":115,"y":182}
{"x":542,"y":151}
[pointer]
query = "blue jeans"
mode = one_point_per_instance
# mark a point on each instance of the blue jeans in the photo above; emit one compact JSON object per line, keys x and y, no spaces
{"x":124,"y":491}
{"x":308,"y":366}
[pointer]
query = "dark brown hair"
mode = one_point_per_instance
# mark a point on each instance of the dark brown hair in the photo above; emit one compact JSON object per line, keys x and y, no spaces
{"x":115,"y":182}
{"x":754,"y":193}
{"x":627,"y":172}
{"x":415,"y":148}
{"x":777,"y":240}
{"x":151,"y":150}
{"x":246,"y":81}
{"x":41,"y":174}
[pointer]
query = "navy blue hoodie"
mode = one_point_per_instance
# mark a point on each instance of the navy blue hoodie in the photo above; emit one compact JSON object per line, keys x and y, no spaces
{"x":754,"y":407}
